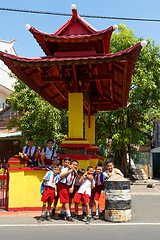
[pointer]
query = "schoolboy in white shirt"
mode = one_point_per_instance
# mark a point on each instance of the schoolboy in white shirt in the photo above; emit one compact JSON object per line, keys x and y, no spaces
{"x":66,"y":186}
{"x":48,"y":155}
{"x":30,"y":153}
{"x":49,"y":192}
{"x":84,"y":191}
{"x":99,"y":177}
{"x":67,"y":162}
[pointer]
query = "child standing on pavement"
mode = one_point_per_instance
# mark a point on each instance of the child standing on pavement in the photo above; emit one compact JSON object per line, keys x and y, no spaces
{"x":66,"y":187}
{"x":67,"y":162}
{"x":99,"y":177}
{"x":84,"y":192}
{"x":50,"y":191}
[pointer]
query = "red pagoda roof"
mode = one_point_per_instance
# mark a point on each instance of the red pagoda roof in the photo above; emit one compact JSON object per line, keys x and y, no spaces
{"x":75,"y":35}
{"x":104,"y":79}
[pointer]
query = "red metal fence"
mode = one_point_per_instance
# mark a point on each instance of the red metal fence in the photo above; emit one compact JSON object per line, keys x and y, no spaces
{"x":4,"y":187}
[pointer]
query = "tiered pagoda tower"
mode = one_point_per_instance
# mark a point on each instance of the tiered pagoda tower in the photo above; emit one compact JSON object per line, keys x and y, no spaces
{"x":78,"y":74}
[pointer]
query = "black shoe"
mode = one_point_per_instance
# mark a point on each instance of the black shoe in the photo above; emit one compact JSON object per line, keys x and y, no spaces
{"x":88,"y":220}
{"x":48,"y":218}
{"x":61,"y":215}
{"x":76,"y":217}
{"x":43,"y":166}
{"x":70,"y":219}
{"x":31,"y":164}
{"x":96,"y":216}
{"x":84,"y":215}
{"x":53,"y":211}
{"x":103,"y":213}
{"x":42,"y":218}
{"x":35,"y":163}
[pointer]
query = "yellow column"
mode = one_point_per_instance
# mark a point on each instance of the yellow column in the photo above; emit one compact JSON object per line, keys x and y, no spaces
{"x":90,"y":131}
{"x":90,"y":136}
{"x":75,"y":107}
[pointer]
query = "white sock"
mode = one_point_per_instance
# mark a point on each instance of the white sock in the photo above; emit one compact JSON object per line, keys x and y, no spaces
{"x":43,"y":213}
{"x":68,"y":213}
{"x":62,"y":211}
{"x":48,"y":212}
{"x":97,"y":210}
{"x":90,"y":211}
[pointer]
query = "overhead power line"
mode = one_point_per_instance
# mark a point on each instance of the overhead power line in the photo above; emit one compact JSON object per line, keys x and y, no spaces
{"x":87,"y":16}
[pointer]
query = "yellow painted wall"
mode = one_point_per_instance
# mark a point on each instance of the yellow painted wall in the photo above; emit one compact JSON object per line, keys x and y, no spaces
{"x":75,"y":120}
{"x":16,"y":189}
{"x":24,"y":188}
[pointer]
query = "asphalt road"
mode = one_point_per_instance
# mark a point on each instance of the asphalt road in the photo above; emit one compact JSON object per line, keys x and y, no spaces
{"x":145,"y":224}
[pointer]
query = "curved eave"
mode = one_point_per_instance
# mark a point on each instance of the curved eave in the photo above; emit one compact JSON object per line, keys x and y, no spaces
{"x":53,"y":61}
{"x":42,"y":38}
{"x":126,"y":60}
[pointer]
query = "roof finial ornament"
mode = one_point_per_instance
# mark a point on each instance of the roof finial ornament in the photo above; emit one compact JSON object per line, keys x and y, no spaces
{"x":115,"y":27}
{"x":27,"y":26}
{"x":144,"y":43}
{"x":74,"y":10}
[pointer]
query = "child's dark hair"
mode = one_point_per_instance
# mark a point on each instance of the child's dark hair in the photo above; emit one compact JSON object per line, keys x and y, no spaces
{"x":99,"y":165}
{"x":30,"y":139}
{"x":89,"y":167}
{"x":81,"y":171}
{"x":109,"y":161}
{"x":74,"y":160}
{"x":50,"y":140}
{"x":55,"y":166}
{"x":67,"y":159}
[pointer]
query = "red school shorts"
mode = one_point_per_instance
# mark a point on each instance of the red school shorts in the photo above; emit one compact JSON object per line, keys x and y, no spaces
{"x":63,"y":193}
{"x":48,"y":161}
{"x":48,"y":195}
{"x":81,"y":197}
{"x":96,"y":192}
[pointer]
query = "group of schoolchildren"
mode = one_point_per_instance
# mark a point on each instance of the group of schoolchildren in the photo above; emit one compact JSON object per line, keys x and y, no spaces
{"x":67,"y":183}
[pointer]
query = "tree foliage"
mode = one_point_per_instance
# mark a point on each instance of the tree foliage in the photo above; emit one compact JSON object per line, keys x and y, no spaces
{"x":37,"y":118}
{"x":118,"y":131}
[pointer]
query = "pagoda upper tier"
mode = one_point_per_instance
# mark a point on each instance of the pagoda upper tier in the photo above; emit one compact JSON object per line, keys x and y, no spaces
{"x":78,"y":60}
{"x":74,"y":37}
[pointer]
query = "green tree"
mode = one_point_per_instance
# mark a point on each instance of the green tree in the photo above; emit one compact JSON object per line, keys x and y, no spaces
{"x":37,"y":118}
{"x":118,"y":131}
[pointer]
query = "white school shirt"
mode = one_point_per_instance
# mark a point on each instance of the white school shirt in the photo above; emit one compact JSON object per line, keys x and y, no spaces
{"x":32,"y":150}
{"x":49,"y":152}
{"x":114,"y":171}
{"x":67,"y":180}
{"x":85,"y":186}
{"x":99,"y":178}
{"x":52,"y":180}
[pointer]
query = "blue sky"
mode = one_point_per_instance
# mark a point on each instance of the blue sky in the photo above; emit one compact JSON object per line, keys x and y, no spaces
{"x":13,"y":23}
